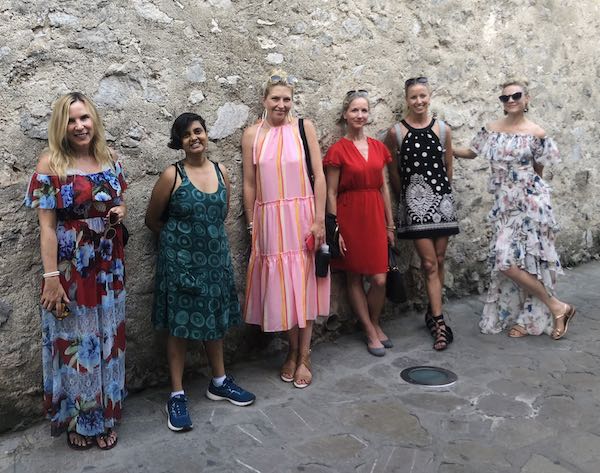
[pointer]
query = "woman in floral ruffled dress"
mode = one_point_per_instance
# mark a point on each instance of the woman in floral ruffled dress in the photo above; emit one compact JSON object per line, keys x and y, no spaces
{"x":77,"y":189}
{"x":523,"y":258}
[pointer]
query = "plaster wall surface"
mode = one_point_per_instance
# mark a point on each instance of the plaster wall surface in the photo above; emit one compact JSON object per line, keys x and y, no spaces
{"x":144,"y":62}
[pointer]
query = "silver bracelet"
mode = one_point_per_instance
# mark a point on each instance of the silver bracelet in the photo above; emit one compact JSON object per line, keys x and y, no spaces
{"x":51,"y":274}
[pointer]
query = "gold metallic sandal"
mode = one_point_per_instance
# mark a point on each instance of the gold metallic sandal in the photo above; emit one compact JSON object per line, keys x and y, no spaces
{"x":569,"y":313}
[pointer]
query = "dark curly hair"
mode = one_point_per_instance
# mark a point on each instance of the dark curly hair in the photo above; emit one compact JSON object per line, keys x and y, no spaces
{"x":180,"y":125}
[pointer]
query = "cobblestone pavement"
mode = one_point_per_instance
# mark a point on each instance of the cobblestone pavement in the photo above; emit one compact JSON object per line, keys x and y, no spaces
{"x":525,"y":405}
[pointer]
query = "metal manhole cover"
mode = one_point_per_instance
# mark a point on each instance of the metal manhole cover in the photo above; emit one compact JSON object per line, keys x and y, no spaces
{"x":428,"y":376}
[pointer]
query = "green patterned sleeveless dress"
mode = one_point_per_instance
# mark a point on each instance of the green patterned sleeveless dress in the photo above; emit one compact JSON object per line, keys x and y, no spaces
{"x":195,"y":296}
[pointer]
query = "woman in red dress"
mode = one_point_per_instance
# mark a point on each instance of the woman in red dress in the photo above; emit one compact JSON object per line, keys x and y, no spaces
{"x":357,"y":193}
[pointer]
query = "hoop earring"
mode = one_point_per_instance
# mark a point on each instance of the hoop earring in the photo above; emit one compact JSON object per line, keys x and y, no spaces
{"x":526,"y":109}
{"x":264,"y":115}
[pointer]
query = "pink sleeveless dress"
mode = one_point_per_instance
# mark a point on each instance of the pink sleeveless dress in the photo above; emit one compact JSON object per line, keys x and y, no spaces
{"x":282,"y":290}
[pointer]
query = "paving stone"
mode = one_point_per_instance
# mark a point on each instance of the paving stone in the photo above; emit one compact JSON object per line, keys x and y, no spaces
{"x":502,"y":406}
{"x":388,"y":418}
{"x":581,"y":450}
{"x":515,"y":435}
{"x":474,"y":453}
{"x":435,"y":401}
{"x":333,"y":447}
{"x":540,"y":464}
{"x":526,"y":406}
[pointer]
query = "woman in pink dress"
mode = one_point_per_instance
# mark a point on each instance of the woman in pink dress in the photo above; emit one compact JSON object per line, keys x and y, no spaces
{"x":286,"y":220}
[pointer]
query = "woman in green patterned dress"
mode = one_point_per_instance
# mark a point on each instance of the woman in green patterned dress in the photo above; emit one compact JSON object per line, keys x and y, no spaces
{"x":195,"y":296}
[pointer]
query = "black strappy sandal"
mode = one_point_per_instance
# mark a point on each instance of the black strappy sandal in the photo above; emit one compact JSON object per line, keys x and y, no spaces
{"x":432,"y":326}
{"x":442,"y":335}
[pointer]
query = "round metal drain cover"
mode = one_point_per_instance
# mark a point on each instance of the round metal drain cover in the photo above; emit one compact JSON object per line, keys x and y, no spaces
{"x":428,"y":376}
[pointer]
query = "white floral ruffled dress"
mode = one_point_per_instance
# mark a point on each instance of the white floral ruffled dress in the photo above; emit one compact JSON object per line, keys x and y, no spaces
{"x":523,"y":227}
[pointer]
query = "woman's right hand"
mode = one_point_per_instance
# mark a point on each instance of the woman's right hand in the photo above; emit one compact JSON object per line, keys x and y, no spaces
{"x":343,"y":248}
{"x":53,"y":294}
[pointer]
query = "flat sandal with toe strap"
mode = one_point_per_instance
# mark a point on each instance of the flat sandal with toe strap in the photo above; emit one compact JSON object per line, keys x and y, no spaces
{"x":105,"y":438}
{"x":517,"y":331}
{"x":287,"y":376}
{"x":568,"y":314}
{"x":304,"y":360}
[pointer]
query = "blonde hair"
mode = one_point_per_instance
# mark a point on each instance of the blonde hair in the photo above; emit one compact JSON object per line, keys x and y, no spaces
{"x":285,"y":81}
{"x":62,"y":155}
{"x":523,"y":83}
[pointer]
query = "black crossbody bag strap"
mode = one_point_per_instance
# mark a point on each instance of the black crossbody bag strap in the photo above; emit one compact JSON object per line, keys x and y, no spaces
{"x":309,"y":170}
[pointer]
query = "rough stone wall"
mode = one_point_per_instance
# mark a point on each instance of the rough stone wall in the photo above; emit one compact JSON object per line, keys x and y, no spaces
{"x":144,"y":62}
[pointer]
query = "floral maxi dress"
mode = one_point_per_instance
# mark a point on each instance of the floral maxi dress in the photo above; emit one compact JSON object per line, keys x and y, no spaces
{"x":83,"y":356}
{"x":523,"y":227}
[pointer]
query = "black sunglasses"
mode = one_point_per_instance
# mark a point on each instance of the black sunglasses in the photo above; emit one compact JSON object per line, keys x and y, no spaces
{"x":415,"y":80}
{"x":110,"y":232}
{"x":359,"y":91}
{"x":516,"y":97}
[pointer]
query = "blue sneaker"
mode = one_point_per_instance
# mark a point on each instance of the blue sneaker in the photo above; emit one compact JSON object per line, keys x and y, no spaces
{"x":231,"y":392}
{"x":178,"y":418}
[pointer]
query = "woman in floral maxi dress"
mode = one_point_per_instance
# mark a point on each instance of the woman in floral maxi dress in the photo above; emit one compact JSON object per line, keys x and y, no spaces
{"x":77,"y":189}
{"x":523,"y":258}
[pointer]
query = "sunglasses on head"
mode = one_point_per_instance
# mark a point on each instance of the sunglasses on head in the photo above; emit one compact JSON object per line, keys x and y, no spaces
{"x":110,"y":232}
{"x":357,"y":92}
{"x":516,"y":96}
{"x":415,"y":80}
{"x":285,"y":80}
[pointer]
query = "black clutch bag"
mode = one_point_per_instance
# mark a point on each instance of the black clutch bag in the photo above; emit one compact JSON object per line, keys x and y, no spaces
{"x":332,"y":235}
{"x":395,"y":285}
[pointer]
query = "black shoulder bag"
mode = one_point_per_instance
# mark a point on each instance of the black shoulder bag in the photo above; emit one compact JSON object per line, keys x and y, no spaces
{"x":332,"y":232}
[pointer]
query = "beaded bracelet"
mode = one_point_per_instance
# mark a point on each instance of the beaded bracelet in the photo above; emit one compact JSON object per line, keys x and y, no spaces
{"x":51,"y":274}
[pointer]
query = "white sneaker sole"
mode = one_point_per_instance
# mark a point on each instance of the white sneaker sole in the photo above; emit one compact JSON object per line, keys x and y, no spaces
{"x":215,"y":397}
{"x":172,"y":427}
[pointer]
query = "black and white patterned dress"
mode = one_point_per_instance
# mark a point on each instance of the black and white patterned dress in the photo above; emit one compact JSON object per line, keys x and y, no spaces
{"x":426,"y":208}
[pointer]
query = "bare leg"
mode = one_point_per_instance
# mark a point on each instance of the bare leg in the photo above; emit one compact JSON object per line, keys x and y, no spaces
{"x":429,"y":254}
{"x":214,"y":352}
{"x":303,"y":376}
{"x":176,"y":348}
{"x":358,"y":300}
{"x":534,"y":286}
{"x":429,"y":264}
{"x":291,"y":361}
{"x":376,"y":301}
{"x":441,"y":244}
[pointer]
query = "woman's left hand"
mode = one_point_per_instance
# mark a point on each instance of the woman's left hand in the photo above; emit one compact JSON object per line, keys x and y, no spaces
{"x":391,"y":237}
{"x":120,"y":211}
{"x":318,"y":231}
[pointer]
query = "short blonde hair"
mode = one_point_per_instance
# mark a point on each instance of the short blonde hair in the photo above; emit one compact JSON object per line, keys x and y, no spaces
{"x":523,"y":83}
{"x":62,"y":156}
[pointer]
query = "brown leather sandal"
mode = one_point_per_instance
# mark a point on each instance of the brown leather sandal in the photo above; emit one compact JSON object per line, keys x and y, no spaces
{"x":517,"y":331}
{"x":302,"y":382}
{"x":288,"y":369}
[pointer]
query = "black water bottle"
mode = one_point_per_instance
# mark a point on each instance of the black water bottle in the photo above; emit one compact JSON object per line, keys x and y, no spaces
{"x":322,"y":258}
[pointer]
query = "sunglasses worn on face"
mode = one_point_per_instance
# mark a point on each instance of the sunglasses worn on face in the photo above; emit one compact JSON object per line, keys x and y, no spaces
{"x":415,"y":80}
{"x":285,"y":80}
{"x":111,"y":231}
{"x":516,"y":97}
{"x":357,"y":92}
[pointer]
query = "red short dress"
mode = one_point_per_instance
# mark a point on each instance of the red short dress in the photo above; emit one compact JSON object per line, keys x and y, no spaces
{"x":360,"y":208}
